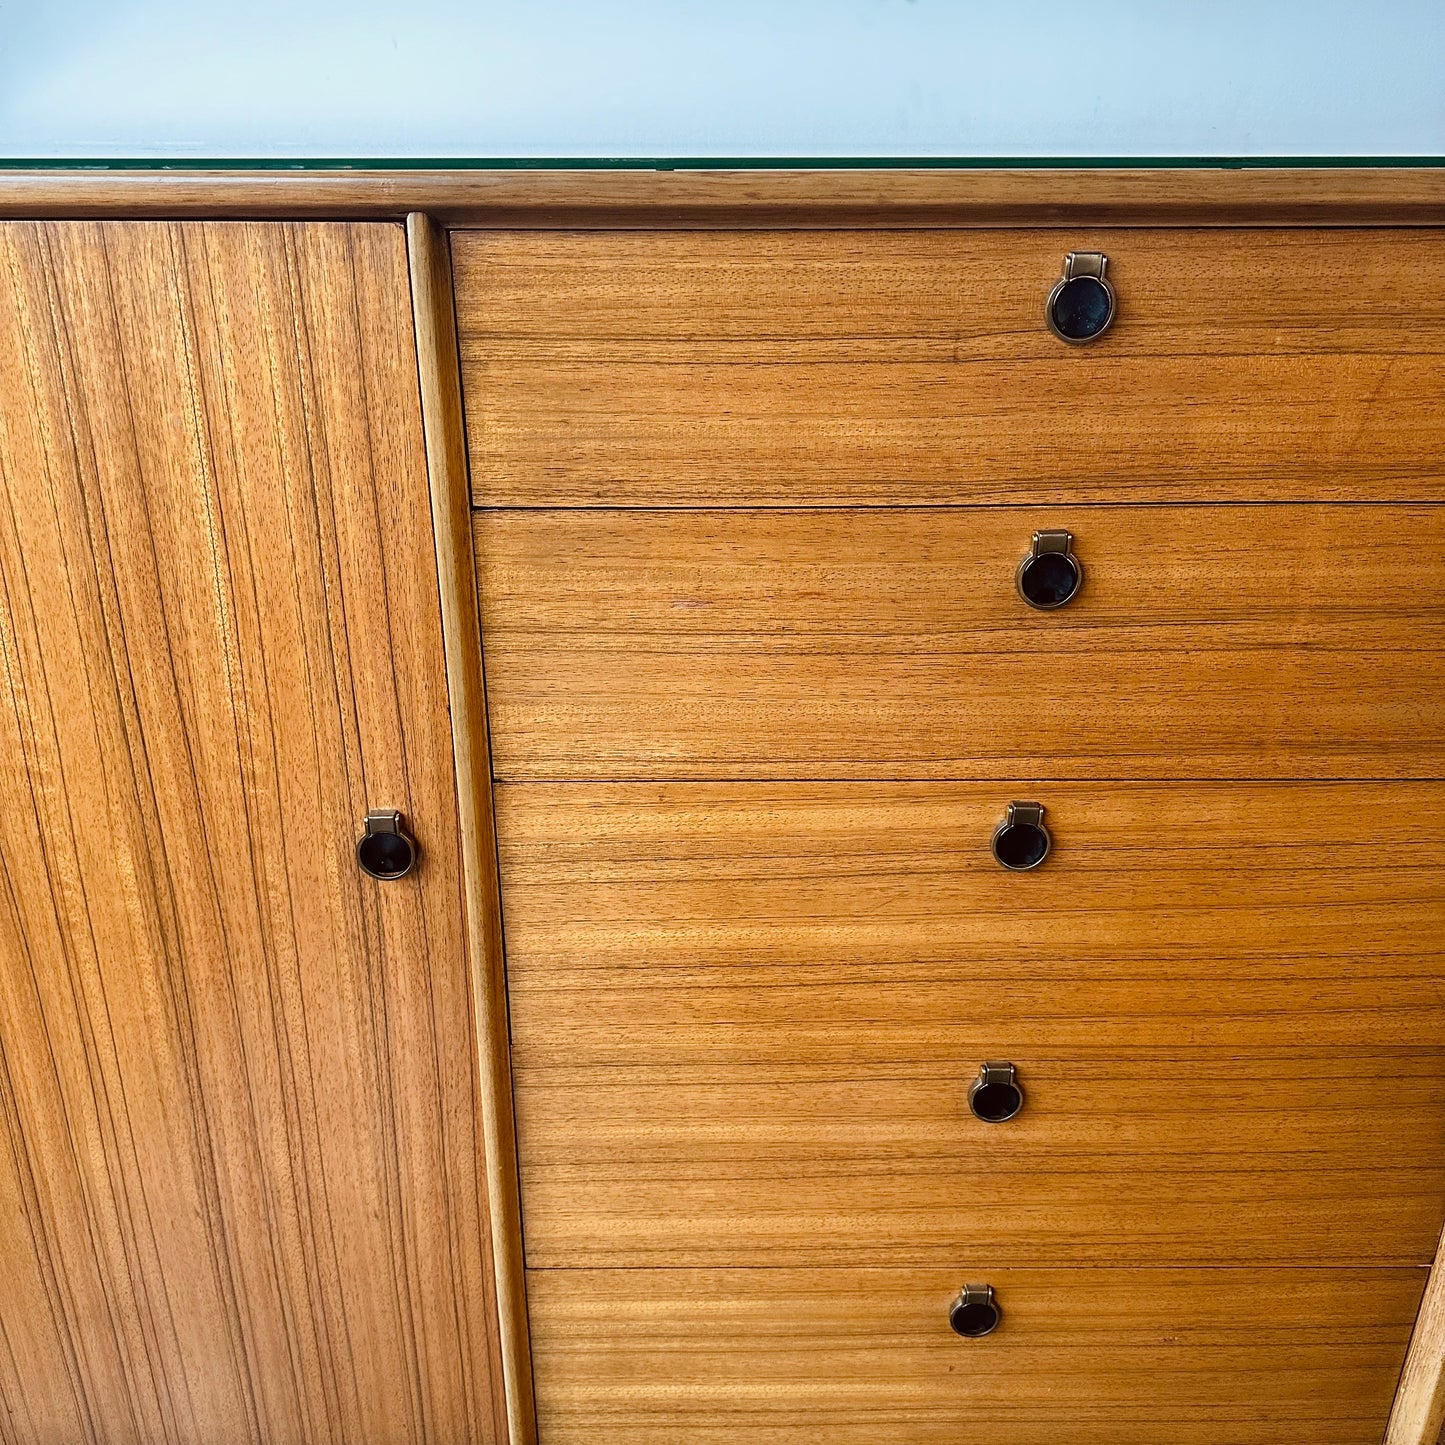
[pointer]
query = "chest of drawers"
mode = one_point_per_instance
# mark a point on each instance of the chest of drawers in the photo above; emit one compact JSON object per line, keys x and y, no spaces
{"x":762,"y":687}
{"x":650,"y":550}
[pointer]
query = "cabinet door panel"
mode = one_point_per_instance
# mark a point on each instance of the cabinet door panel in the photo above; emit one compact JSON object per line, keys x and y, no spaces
{"x":239,"y":1148}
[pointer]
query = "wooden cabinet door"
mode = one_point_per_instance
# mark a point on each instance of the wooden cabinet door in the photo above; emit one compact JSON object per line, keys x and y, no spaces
{"x":241,"y":1189}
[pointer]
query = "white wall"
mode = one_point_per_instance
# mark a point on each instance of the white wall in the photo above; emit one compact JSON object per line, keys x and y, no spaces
{"x":434,"y":78}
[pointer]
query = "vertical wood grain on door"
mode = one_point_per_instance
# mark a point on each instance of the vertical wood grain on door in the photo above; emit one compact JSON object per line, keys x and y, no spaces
{"x":241,"y":1195}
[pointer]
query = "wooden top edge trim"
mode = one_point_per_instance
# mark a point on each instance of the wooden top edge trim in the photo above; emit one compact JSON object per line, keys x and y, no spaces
{"x":764,"y":199}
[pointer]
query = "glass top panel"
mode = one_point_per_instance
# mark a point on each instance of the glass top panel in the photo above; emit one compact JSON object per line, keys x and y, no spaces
{"x":643,"y":83}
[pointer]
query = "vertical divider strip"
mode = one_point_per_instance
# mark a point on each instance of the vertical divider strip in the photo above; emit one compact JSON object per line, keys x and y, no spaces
{"x":433,"y":308}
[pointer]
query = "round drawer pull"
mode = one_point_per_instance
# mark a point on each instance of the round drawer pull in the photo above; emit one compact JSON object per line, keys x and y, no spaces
{"x":1050,"y":575}
{"x":1021,"y":841}
{"x":975,"y":1312}
{"x":386,"y":850}
{"x":996,"y":1096}
{"x":1082,"y":304}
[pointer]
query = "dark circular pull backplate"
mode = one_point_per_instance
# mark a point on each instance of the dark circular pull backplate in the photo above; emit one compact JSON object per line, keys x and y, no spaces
{"x":1082,"y":304}
{"x":995,"y":1096}
{"x":975,"y":1312}
{"x":386,"y":850}
{"x":1021,"y":841}
{"x":1081,"y":308}
{"x":1050,"y":580}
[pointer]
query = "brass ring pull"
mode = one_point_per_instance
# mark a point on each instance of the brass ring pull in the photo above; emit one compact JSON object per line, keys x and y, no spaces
{"x":385,"y":850}
{"x":1021,"y":841}
{"x":996,"y":1095}
{"x":1050,"y":575}
{"x":975,"y":1312}
{"x":1082,"y":305}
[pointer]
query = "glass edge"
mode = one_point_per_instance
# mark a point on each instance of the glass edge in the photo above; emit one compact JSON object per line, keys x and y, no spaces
{"x":717,"y":163}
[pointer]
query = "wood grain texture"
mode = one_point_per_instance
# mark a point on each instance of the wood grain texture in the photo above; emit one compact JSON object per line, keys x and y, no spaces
{"x":1165,"y":1155}
{"x":921,"y":297}
{"x":441,"y":399}
{"x":893,"y":196}
{"x":873,"y":921}
{"x":851,"y":1357}
{"x":1418,"y":1414}
{"x":744,"y":1018}
{"x":240,"y":1176}
{"x":870,"y":368}
{"x":1206,"y":642}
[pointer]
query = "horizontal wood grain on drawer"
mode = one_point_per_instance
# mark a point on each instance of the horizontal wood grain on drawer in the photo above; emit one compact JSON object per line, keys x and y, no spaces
{"x":868,"y":923}
{"x":1207,"y":642}
{"x":1178,"y":1156}
{"x":692,"y":368}
{"x":855,"y":1357}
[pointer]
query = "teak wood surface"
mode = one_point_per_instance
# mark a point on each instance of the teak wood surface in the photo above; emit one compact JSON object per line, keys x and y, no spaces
{"x":1162,"y":1154}
{"x":441,"y":400}
{"x":1248,"y":915}
{"x":676,"y":194}
{"x":240,"y":1179}
{"x":249,"y":1159}
{"x":1205,"y":642}
{"x":885,"y":368}
{"x":854,"y":1356}
{"x":745,"y":1017}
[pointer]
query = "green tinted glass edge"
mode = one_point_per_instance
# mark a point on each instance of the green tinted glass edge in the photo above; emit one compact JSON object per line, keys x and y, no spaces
{"x":718,"y":163}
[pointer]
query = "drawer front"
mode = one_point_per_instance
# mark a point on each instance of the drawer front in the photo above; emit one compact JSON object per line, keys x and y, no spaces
{"x":1204,"y":642}
{"x":854,"y":1357}
{"x":745,"y":1018}
{"x":1171,"y":1156}
{"x":796,"y":368}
